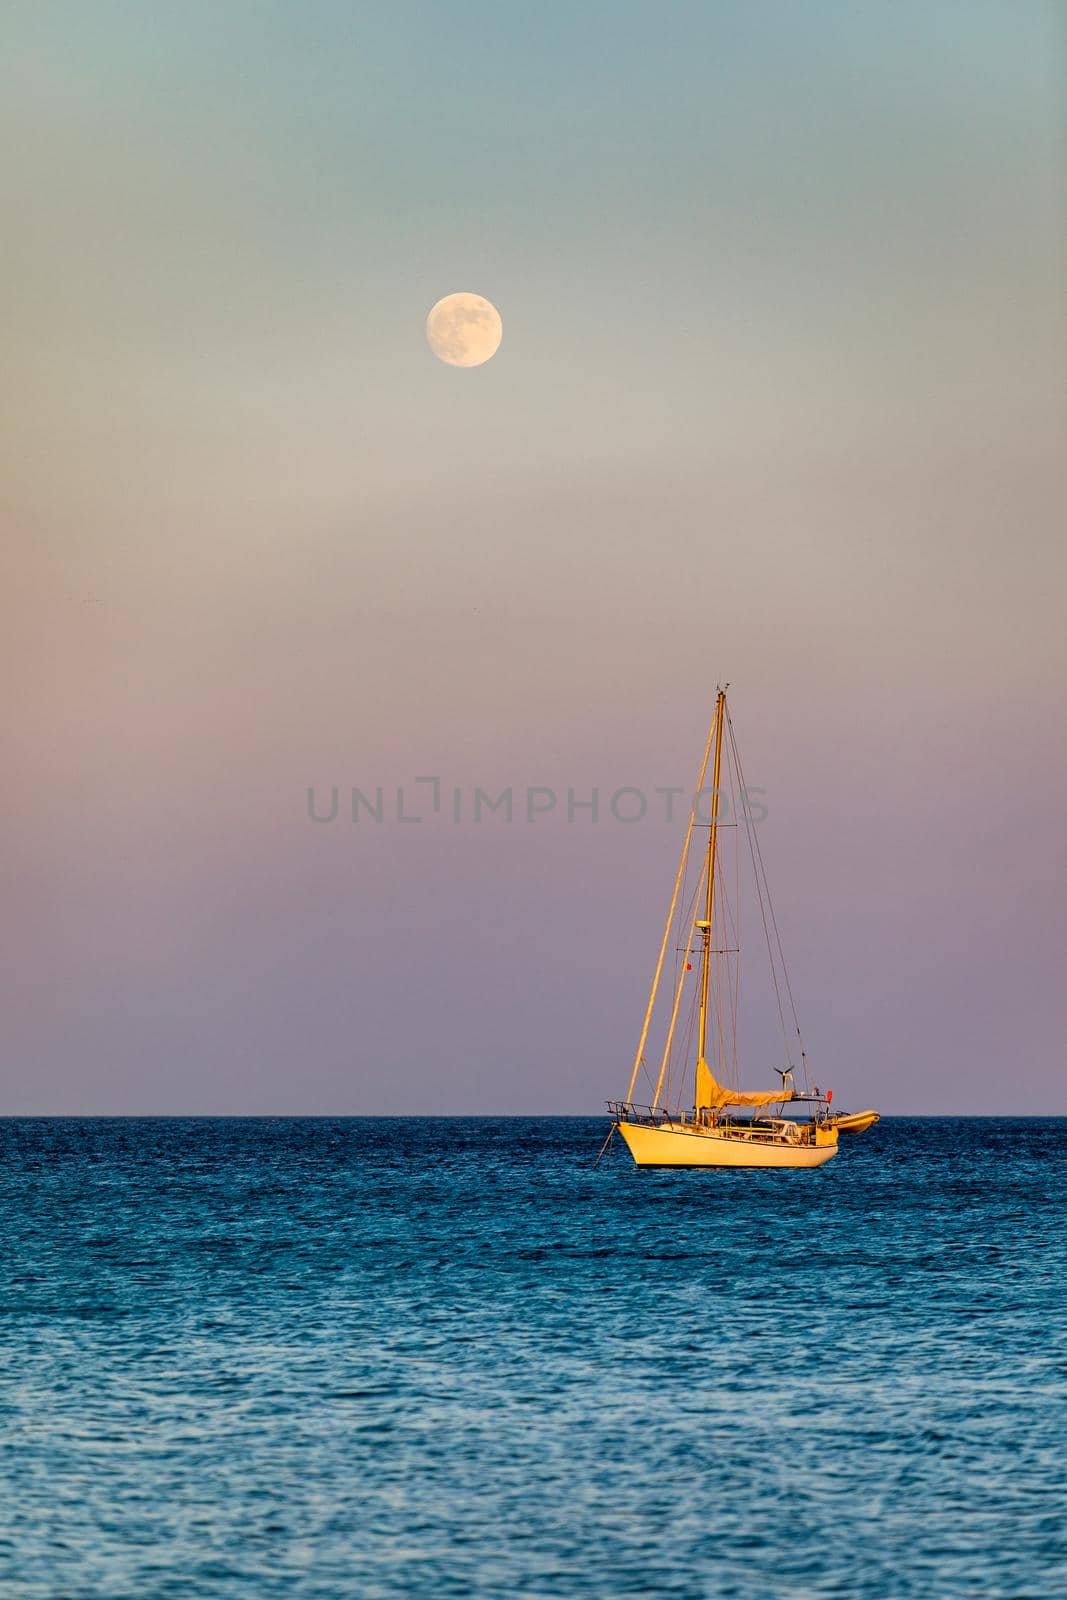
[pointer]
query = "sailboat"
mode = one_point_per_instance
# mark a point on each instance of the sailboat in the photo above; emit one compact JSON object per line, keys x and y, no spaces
{"x":725,"y":1126}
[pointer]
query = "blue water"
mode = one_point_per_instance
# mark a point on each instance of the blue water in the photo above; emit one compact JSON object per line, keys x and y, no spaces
{"x":440,"y":1358}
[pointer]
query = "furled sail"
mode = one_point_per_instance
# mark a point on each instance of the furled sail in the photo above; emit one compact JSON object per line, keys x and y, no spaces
{"x":712,"y":1095}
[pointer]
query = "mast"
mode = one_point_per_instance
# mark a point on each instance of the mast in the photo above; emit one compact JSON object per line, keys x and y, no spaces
{"x":639,"y":1057}
{"x":709,"y":903}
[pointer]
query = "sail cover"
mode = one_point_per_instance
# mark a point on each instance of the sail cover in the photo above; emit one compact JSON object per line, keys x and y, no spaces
{"x":713,"y":1095}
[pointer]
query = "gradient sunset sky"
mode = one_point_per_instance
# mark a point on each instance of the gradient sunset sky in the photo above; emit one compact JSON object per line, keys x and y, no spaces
{"x":780,"y":400}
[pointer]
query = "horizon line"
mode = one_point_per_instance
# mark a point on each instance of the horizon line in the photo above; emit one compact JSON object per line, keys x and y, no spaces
{"x":445,"y":1116}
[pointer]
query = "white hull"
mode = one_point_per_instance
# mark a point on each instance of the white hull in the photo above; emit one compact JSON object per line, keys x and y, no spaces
{"x":668,"y":1145}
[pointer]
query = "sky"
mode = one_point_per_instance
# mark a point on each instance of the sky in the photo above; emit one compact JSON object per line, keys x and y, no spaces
{"x":780,"y":401}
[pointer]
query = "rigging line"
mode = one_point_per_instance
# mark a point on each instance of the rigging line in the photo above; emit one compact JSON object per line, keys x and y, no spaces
{"x":727,"y":986}
{"x":717,"y":969}
{"x":682,"y":955}
{"x":754,"y":846}
{"x":678,"y":988}
{"x":727,"y":979}
{"x":670,"y":913}
{"x":687,"y":1044}
{"x":737,"y":876}
{"x":763,"y":897}
{"x":759,"y":896}
{"x":736,"y":993}
{"x":611,"y":1134}
{"x":691,"y":916}
{"x":680,"y":920}
{"x":695,"y":901}
{"x":686,"y":1049}
{"x":770,"y":902}
{"x":694,"y":1010}
{"x":720,"y":1028}
{"x":685,"y":915}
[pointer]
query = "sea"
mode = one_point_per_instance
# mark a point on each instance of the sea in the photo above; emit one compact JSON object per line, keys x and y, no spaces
{"x":370,"y":1358}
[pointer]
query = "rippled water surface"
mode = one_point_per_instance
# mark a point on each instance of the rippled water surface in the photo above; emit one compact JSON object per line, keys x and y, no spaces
{"x":432,"y":1358}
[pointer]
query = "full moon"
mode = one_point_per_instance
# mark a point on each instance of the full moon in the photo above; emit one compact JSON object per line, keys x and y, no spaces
{"x":464,"y":330}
